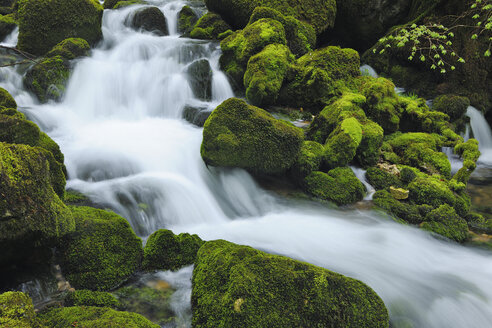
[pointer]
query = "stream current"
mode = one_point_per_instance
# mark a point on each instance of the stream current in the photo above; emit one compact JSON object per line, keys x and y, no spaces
{"x":127,"y":147}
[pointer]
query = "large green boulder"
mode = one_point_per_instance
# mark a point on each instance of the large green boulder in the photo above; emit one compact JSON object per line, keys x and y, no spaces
{"x":166,"y":251}
{"x":238,"y":47}
{"x":339,"y":185}
{"x":209,"y":27}
{"x":265,"y":74}
{"x":102,"y":253}
{"x":93,"y":317}
{"x":370,"y":146}
{"x":319,"y":76}
{"x":239,"y":286}
{"x":453,"y":105}
{"x":70,"y":48}
{"x":17,"y":311}
{"x":44,"y":23}
{"x":6,"y":99}
{"x":187,"y":18}
{"x":308,"y":160}
{"x":31,"y":214}
{"x":47,"y":79}
{"x":319,"y":13}
{"x":239,"y":135}
{"x":342,"y":143}
{"x":444,"y":221}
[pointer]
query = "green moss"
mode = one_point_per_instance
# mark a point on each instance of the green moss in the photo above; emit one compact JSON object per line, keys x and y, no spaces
{"x":452,"y":105}
{"x":265,"y":74}
{"x":17,"y":311}
{"x":400,"y":141}
{"x":70,"y":48}
{"x":342,"y":144}
{"x":444,"y":221}
{"x":308,"y":160}
{"x":369,"y":149}
{"x":102,"y":253}
{"x":319,"y":76}
{"x":7,"y":25}
{"x":31,"y":214}
{"x":209,"y":27}
{"x":44,"y":23}
{"x":122,"y":4}
{"x":187,"y":18}
{"x":91,"y":298}
{"x":431,"y":190}
{"x":93,"y":317}
{"x":403,"y":210}
{"x":381,"y":179}
{"x":319,"y":13}
{"x":239,"y":135}
{"x":166,"y":251}
{"x":6,"y":99}
{"x":301,"y":37}
{"x":48,"y":78}
{"x":238,"y":286}
{"x":72,"y":197}
{"x":339,"y":185}
{"x":407,"y":175}
{"x":469,"y":152}
{"x":238,"y":47}
{"x":109,"y":4}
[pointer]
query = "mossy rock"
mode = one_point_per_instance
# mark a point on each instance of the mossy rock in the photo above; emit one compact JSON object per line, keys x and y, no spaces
{"x":427,"y":159}
{"x":123,"y":4}
{"x":301,"y":37}
{"x":166,"y":251}
{"x":102,"y":253}
{"x":17,"y":311}
{"x":70,"y":48}
{"x":93,"y":317}
{"x":7,"y":25}
{"x":381,"y":179}
{"x":319,"y":76}
{"x":265,"y":74}
{"x":239,"y":135}
{"x":470,"y":153}
{"x":239,"y":286}
{"x":187,"y":18}
{"x":85,"y":297}
{"x":209,"y":27}
{"x":238,"y":47}
{"x":319,"y":13}
{"x":31,"y":214}
{"x":150,"y":19}
{"x":342,"y":143}
{"x":200,"y":76}
{"x":401,"y":209}
{"x":43,"y":24}
{"x":48,"y":79}
{"x":452,"y":105}
{"x":444,"y":221}
{"x":6,"y":99}
{"x":339,"y":185}
{"x":308,"y":160}
{"x":369,"y":149}
{"x":109,"y":4}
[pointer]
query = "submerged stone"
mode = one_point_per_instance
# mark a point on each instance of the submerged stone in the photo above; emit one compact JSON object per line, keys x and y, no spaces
{"x":200,"y":79}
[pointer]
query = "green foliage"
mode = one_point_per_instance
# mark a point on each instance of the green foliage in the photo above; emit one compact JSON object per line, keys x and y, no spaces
{"x":85,"y":297}
{"x":93,"y":317}
{"x":372,"y":139}
{"x":238,"y":286}
{"x":339,"y":185}
{"x":44,"y":23}
{"x":239,"y":135}
{"x":166,"y":251}
{"x":102,"y":253}
{"x":265,"y":74}
{"x":209,"y":27}
{"x":70,"y":48}
{"x":17,"y":311}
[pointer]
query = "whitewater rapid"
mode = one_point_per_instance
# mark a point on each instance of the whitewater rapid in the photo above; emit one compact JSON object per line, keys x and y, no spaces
{"x":127,"y":147}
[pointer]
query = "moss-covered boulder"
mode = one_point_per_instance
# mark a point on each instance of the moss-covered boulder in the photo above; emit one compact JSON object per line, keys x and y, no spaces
{"x":239,"y":135}
{"x":150,"y":19}
{"x":381,"y":179}
{"x":48,"y":79}
{"x":452,"y":105}
{"x":187,"y":18}
{"x":166,"y":251}
{"x":239,"y":286}
{"x":6,"y":99}
{"x":265,"y":74}
{"x":102,"y":253}
{"x":308,"y":160}
{"x":369,"y":149}
{"x":241,"y":45}
{"x":70,"y":48}
{"x":319,"y":76}
{"x":17,"y":311}
{"x":86,"y":297}
{"x":200,"y":79}
{"x":93,"y":317}
{"x":342,"y":143}
{"x":31,"y":214}
{"x":403,"y":210}
{"x":470,"y":153}
{"x":7,"y":25}
{"x":301,"y":37}
{"x":210,"y":27}
{"x":319,"y":13}
{"x":444,"y":221}
{"x":339,"y":185}
{"x":43,"y":24}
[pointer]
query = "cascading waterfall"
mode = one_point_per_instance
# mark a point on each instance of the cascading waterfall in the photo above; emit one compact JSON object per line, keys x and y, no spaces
{"x":127,"y":147}
{"x":482,"y":132}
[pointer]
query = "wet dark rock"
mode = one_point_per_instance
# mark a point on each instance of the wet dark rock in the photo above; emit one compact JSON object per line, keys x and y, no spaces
{"x":200,"y":79}
{"x":150,"y":19}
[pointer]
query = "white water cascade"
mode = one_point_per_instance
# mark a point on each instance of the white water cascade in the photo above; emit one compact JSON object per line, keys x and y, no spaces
{"x":127,"y":147}
{"x":482,"y":132}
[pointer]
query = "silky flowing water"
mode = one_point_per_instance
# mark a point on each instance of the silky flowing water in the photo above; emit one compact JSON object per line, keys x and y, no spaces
{"x":127,"y":148}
